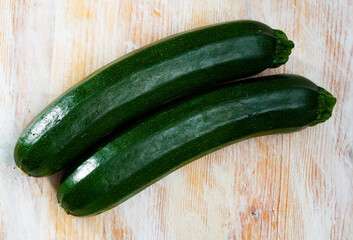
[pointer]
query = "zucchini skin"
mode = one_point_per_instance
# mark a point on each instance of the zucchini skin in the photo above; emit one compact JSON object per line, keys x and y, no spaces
{"x":141,"y":81}
{"x":187,"y":130}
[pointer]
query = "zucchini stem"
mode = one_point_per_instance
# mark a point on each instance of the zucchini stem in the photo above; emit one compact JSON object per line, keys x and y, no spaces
{"x":326,"y":103}
{"x":283,"y":49}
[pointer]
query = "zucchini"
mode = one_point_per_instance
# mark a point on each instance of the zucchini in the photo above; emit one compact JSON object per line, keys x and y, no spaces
{"x":139,"y":82}
{"x":186,"y":130}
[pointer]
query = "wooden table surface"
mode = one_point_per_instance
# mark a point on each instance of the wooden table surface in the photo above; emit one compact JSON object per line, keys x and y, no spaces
{"x":292,"y":186}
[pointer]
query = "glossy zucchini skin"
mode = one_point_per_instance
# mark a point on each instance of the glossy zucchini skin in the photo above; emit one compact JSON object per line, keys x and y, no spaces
{"x":187,"y":130}
{"x":141,"y":81}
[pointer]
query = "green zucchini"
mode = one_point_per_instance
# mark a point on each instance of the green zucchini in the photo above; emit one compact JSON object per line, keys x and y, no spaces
{"x":139,"y":82}
{"x":189,"y":129}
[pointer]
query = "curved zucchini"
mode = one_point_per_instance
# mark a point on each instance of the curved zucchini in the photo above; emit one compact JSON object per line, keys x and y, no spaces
{"x":187,"y":130}
{"x":141,"y":81}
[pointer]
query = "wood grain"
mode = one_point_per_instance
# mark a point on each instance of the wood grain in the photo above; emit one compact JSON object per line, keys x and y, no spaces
{"x":292,"y":186}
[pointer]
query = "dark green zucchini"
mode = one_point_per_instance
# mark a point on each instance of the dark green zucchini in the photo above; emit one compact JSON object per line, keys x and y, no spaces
{"x":141,"y":81}
{"x":187,"y":130}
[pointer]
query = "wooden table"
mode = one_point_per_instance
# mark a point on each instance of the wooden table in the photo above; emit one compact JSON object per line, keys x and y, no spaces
{"x":292,"y":186}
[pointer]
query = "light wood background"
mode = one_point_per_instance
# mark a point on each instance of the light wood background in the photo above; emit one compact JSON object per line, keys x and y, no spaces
{"x":293,"y":186}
